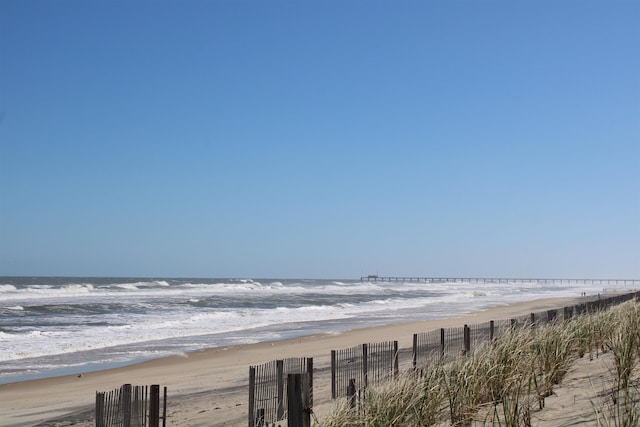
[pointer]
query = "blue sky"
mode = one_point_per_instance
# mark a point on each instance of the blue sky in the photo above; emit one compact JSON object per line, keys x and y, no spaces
{"x":320,"y":139}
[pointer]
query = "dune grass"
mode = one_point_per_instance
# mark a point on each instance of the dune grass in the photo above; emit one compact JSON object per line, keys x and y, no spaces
{"x":504,"y":382}
{"x":621,"y":407}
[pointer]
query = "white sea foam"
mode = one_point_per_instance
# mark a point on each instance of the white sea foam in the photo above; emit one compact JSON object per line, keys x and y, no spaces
{"x":130,"y":286}
{"x":144,"y":328}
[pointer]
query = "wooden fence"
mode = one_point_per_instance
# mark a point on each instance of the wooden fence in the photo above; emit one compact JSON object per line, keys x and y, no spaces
{"x":269,"y":393}
{"x":353,"y":369}
{"x":448,"y":342}
{"x":480,"y":333}
{"x":131,"y":406}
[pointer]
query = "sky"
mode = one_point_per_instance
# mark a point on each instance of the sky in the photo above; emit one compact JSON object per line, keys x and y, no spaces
{"x":320,"y":139}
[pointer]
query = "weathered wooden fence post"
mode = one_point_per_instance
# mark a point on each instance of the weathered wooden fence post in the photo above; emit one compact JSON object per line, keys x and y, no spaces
{"x":307,"y":397}
{"x":280,"y":388}
{"x":351,"y":392}
{"x":467,"y":339}
{"x":154,"y":406}
{"x":491,"y":330}
{"x":414,"y":356}
{"x":125,"y":397}
{"x":365,"y":365}
{"x":442,"y":344}
{"x":100,"y":409}
{"x":333,"y":374}
{"x":164,"y":408}
{"x":252,"y":397}
{"x":297,"y":416}
{"x":309,"y":400}
{"x":533,"y":319}
{"x":396,"y":368}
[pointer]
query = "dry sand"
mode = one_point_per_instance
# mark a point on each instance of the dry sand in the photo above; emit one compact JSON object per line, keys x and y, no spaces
{"x":210,"y":387}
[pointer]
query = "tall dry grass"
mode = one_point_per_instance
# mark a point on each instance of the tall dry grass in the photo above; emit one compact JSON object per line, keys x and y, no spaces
{"x":504,"y":382}
{"x":621,"y":405}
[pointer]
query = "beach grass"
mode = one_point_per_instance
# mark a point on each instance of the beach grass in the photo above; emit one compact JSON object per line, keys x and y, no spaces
{"x":621,"y":404}
{"x":505,"y":382}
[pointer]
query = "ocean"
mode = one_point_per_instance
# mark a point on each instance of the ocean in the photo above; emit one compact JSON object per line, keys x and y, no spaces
{"x":53,"y":326}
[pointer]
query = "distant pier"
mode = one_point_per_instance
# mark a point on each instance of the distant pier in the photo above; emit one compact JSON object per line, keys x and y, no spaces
{"x":608,"y":282}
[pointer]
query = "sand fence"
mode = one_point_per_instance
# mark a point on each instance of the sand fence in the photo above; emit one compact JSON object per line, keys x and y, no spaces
{"x":131,"y":406}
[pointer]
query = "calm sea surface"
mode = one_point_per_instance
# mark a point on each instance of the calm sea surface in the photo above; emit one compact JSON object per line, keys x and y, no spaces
{"x":60,"y":325}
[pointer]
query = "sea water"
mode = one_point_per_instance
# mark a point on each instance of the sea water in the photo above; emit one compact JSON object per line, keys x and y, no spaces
{"x":57,"y":326}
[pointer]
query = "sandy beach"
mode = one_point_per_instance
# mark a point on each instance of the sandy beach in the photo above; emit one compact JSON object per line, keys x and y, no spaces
{"x":210,"y":387}
{"x":192,"y":189}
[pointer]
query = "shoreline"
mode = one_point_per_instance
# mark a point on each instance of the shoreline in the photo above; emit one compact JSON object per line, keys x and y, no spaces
{"x":303,"y":328}
{"x":212,"y":383}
